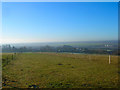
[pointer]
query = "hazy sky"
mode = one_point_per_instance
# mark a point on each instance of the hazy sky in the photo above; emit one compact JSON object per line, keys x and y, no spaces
{"x":60,"y":21}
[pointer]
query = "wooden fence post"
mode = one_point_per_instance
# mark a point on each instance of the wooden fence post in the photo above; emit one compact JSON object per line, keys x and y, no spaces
{"x":109,"y":59}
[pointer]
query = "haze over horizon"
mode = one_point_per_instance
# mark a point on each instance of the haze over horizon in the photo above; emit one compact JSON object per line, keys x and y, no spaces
{"x":27,"y":22}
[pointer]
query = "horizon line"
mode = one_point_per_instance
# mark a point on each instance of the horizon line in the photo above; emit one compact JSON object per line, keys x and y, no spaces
{"x":59,"y":41}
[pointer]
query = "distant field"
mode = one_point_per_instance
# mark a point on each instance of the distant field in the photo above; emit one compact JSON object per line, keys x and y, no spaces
{"x":53,"y":70}
{"x":86,"y":44}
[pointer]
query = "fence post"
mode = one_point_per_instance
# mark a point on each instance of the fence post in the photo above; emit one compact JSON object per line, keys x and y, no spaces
{"x":109,"y":59}
{"x":12,"y":57}
{"x":7,"y":59}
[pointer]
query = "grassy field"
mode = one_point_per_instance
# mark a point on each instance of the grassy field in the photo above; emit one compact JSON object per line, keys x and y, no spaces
{"x":53,"y":70}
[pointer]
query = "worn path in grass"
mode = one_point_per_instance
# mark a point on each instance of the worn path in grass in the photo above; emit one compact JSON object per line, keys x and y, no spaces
{"x":52,"y":70}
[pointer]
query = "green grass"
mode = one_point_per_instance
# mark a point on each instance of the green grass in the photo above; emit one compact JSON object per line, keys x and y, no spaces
{"x":52,"y":70}
{"x":6,"y":58}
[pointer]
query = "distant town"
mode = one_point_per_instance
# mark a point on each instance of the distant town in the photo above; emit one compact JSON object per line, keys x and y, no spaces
{"x":88,"y":49}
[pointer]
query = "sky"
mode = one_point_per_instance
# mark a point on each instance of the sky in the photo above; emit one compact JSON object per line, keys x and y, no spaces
{"x":24,"y":22}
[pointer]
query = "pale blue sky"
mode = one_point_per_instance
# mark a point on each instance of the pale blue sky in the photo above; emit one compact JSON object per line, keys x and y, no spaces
{"x":61,"y":21}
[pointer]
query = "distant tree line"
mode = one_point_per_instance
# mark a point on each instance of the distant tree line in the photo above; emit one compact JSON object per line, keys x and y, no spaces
{"x":64,"y":48}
